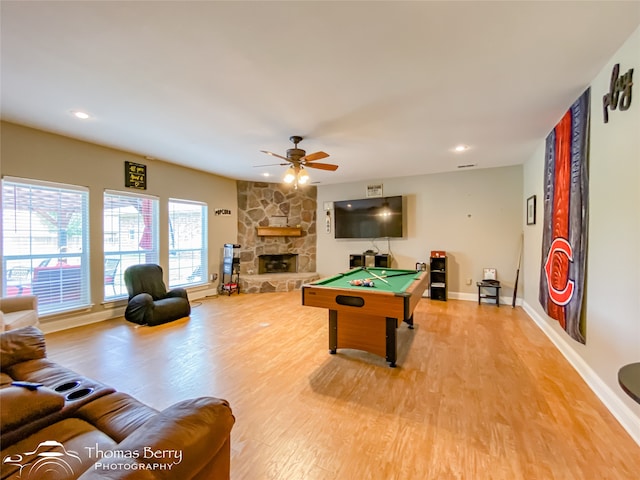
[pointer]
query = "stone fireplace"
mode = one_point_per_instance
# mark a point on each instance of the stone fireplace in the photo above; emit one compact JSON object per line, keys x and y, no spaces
{"x":278,"y":263}
{"x":283,"y":256}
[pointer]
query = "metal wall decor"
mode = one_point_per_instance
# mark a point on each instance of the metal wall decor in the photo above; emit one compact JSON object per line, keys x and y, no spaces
{"x":619,"y":95}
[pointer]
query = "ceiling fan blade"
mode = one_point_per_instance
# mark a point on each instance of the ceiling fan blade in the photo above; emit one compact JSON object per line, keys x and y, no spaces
{"x":275,"y":155}
{"x":322,"y":166}
{"x":314,"y":156}
{"x":270,"y":165}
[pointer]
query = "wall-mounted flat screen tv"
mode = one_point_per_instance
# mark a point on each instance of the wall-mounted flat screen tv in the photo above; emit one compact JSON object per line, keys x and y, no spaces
{"x":369,"y":217}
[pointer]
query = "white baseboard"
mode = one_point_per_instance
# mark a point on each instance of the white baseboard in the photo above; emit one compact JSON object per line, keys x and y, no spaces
{"x":627,"y":418}
{"x":80,"y":320}
{"x":115,"y":312}
{"x":473,"y":297}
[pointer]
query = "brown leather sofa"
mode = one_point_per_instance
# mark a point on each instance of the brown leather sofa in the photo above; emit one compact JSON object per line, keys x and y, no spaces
{"x":74,"y":427}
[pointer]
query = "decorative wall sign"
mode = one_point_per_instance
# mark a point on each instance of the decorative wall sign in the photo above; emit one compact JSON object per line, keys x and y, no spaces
{"x":278,"y":221}
{"x":531,"y":210}
{"x":135,"y":175}
{"x":374,"y":190}
{"x":224,"y":212}
{"x":619,"y":95}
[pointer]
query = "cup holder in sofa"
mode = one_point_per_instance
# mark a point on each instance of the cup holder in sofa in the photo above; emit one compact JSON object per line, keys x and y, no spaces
{"x":77,"y":394}
{"x":67,"y":386}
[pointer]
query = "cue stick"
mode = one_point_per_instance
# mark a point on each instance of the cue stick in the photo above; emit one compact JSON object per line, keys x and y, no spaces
{"x":377,"y":276}
{"x":515,"y":287}
{"x":398,"y":274}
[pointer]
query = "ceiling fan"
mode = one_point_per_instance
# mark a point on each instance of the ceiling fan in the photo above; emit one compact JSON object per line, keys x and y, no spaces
{"x":298,"y":160}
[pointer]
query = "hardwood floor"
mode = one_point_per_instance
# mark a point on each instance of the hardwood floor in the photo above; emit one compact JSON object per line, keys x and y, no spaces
{"x":479,"y":392}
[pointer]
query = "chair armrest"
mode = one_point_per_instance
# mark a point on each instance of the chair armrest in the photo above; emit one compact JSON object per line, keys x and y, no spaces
{"x":20,"y":345}
{"x":140,"y":309}
{"x":19,"y":406}
{"x":177,"y":293}
{"x":177,"y":443}
{"x":17,"y":303}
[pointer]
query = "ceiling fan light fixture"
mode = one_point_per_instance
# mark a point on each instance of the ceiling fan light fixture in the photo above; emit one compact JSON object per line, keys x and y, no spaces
{"x":289,"y":175}
{"x":299,"y":161}
{"x":303,"y":177}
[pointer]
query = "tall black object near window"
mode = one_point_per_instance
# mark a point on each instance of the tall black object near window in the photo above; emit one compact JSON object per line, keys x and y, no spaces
{"x":230,"y":281}
{"x":438,"y":278}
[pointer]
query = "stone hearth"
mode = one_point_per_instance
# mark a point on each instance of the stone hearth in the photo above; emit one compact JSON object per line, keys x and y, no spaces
{"x":275,"y":282}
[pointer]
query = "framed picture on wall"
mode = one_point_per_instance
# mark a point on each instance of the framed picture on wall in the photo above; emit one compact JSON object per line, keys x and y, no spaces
{"x":374,"y":190}
{"x":489,"y":274}
{"x":531,"y":210}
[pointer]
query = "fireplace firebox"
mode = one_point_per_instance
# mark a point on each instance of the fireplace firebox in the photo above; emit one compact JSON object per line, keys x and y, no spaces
{"x":278,"y":263}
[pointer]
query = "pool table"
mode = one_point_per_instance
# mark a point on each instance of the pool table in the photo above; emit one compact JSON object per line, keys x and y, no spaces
{"x":366,"y":317}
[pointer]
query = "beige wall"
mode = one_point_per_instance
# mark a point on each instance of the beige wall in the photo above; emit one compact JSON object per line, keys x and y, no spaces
{"x":475,"y":215}
{"x":613,"y":261}
{"x":38,"y":155}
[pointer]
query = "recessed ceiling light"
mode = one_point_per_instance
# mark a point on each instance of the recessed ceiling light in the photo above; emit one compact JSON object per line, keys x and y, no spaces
{"x":461,"y":148}
{"x":266,"y":174}
{"x":81,"y":115}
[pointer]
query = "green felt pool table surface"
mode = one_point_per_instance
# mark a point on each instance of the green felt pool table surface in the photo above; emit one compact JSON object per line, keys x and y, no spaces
{"x":397,"y":281}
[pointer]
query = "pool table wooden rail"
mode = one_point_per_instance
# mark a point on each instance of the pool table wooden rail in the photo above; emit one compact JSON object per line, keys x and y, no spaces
{"x":374,"y":302}
{"x":335,"y":298}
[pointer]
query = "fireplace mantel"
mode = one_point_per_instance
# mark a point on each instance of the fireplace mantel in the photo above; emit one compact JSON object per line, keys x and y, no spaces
{"x":279,"y":231}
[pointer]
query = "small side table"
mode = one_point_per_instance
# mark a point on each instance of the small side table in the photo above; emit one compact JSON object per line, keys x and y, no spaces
{"x":489,"y":284}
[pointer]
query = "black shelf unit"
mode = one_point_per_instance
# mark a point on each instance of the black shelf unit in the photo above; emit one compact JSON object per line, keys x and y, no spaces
{"x":382,"y":260}
{"x":230,"y":281}
{"x":438,"y":278}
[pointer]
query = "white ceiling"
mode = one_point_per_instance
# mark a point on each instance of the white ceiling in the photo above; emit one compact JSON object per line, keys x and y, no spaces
{"x":386,"y":88}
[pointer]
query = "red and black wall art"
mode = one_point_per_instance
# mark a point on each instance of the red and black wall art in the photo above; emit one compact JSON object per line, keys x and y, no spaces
{"x":564,"y":239}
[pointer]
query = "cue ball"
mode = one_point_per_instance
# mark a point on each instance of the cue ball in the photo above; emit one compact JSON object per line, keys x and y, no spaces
{"x":383,"y":272}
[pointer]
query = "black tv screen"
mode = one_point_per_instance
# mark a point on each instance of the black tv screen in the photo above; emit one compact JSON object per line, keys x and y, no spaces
{"x":368,"y":217}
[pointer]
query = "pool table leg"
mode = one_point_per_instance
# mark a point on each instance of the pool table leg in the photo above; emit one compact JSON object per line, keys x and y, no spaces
{"x":391,"y":326}
{"x":333,"y":332}
{"x":410,"y":321}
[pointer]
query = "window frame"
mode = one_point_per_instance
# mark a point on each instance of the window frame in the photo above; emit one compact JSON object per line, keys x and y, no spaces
{"x":113,"y":282}
{"x":201,"y":270}
{"x":42,"y":268}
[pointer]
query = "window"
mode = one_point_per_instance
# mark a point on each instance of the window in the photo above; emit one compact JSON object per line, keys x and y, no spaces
{"x":45,"y":243}
{"x":130,"y":237}
{"x":187,"y":243}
